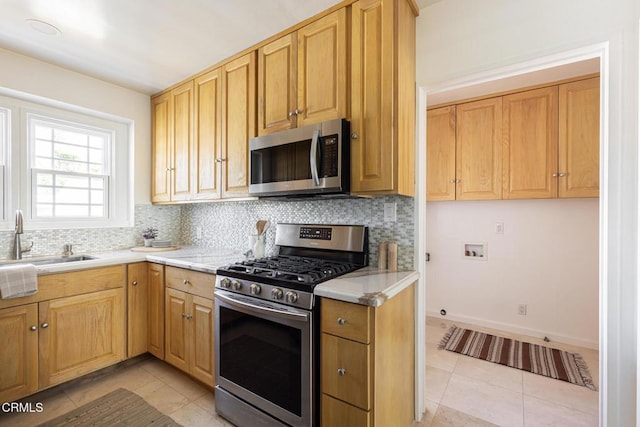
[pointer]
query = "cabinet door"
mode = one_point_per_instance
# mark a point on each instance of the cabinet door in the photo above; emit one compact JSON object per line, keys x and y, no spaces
{"x":579,"y":139}
{"x":441,"y":153}
{"x":208,"y":135}
{"x":80,"y":334}
{"x":373,"y":158}
{"x":182,"y":141}
{"x":479,"y":150}
{"x":160,"y":148}
{"x":201,"y":340}
{"x":176,"y":329}
{"x":18,"y":352}
{"x":277,"y":74}
{"x":239,"y":123}
{"x":531,"y":144}
{"x":137,"y":309}
{"x":156,"y":310}
{"x":322,"y":69}
{"x":337,"y":413}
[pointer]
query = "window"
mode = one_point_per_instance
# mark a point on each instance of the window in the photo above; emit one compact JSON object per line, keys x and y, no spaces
{"x":64,"y":168}
{"x":69,"y":169}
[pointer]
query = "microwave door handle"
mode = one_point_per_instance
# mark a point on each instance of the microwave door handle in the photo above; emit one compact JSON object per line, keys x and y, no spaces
{"x":313,"y":157}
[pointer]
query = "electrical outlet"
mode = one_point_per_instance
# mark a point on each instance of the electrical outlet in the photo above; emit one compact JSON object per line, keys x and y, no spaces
{"x":390,"y":212}
{"x":198,"y":232}
{"x":499,"y":227}
{"x":522,"y":309}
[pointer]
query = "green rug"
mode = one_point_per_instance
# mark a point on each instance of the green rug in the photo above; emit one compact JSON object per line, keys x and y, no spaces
{"x":120,"y":407}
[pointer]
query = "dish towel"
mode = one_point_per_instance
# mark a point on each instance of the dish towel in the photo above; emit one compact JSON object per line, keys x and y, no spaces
{"x":18,"y":281}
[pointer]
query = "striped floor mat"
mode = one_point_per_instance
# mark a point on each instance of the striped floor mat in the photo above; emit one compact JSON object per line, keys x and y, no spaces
{"x":534,"y":358}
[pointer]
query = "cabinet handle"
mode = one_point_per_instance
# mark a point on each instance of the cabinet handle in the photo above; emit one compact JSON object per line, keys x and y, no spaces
{"x":134,"y":283}
{"x":171,"y":169}
{"x":341,"y":321}
{"x":220,"y":160}
{"x":45,"y":325}
{"x":291,"y":113}
{"x":34,"y":328}
{"x":341,"y":372}
{"x":184,"y":315}
{"x":189,"y":317}
{"x":186,"y":282}
{"x":452,"y":181}
{"x":354,"y":135}
{"x":554,"y":175}
{"x":562,"y":174}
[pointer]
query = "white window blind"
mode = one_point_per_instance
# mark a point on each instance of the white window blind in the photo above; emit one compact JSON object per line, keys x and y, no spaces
{"x":70,"y":169}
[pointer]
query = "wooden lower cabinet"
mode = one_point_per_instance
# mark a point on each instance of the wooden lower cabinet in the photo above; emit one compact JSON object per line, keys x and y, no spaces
{"x":189,"y":323}
{"x":137,"y":309}
{"x":18,"y":351}
{"x":155,"y":343}
{"x":80,"y":334}
{"x":367,"y":362}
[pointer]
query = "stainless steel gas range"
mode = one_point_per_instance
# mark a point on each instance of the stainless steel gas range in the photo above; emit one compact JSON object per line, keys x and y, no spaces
{"x":267,"y":324}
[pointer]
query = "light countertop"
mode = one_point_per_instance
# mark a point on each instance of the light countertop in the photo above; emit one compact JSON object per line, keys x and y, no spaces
{"x":367,"y":286}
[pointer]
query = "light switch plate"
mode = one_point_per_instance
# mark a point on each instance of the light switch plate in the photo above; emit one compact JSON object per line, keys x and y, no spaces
{"x":390,"y":212}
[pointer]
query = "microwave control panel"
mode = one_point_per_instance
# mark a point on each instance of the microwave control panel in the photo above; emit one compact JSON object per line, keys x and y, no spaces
{"x":330,"y":155}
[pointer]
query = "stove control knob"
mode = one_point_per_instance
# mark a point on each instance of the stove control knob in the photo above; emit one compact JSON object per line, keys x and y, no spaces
{"x":276,"y":293}
{"x":291,"y":297}
{"x":255,"y":289}
{"x":225,"y":283}
{"x":236,"y":285}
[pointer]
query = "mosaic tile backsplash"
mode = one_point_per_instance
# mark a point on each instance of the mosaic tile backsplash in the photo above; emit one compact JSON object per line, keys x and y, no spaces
{"x":227,"y":225}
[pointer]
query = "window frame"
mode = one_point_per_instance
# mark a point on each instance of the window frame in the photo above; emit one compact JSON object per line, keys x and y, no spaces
{"x":19,"y":172}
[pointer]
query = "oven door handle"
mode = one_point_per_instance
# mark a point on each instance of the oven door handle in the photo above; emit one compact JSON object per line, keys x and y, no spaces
{"x":313,"y":157}
{"x":256,"y":309}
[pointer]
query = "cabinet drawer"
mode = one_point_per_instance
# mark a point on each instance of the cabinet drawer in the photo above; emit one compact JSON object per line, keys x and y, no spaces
{"x":346,"y":320}
{"x":337,"y":413}
{"x":192,"y":282}
{"x":345,"y":370}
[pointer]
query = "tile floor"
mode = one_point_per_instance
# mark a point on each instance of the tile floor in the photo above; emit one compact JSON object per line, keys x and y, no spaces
{"x":461,"y":391}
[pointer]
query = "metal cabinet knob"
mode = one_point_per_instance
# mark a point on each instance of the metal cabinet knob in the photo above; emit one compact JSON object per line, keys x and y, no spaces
{"x":554,"y":175}
{"x":452,"y":181}
{"x":34,"y":328}
{"x":341,"y":372}
{"x":341,"y":321}
{"x":45,"y":325}
{"x":354,"y":135}
{"x":186,"y":282}
{"x":134,"y":283}
{"x":186,"y":316}
{"x":562,"y":174}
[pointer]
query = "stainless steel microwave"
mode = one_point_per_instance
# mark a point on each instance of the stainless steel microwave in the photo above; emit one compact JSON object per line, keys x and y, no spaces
{"x":308,"y":160}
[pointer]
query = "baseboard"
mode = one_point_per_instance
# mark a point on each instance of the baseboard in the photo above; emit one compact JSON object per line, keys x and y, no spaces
{"x":535,"y":333}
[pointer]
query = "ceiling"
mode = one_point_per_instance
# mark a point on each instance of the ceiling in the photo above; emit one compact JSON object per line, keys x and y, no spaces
{"x":147,"y":45}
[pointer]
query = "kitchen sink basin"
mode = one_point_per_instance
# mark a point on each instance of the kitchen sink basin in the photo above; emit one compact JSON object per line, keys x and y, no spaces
{"x":47,"y":260}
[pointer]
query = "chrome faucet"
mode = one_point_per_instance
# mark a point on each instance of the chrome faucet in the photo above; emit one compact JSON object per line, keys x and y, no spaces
{"x":17,"y":247}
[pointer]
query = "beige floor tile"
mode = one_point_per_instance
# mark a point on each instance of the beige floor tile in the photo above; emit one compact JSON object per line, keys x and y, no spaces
{"x":538,"y":413}
{"x":561,"y":392}
{"x":427,"y":417}
{"x":439,"y":322}
{"x":207,"y":402}
{"x":164,"y":398}
{"x":156,"y":367}
{"x":491,"y":373}
{"x":485,"y":401}
{"x":188,"y":387}
{"x":434,"y":334}
{"x":449,"y":417}
{"x":435,"y":384}
{"x":193,"y":416}
{"x":442,"y":359}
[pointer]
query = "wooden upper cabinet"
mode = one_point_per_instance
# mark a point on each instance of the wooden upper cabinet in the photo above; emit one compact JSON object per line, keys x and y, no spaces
{"x":277,"y":85}
{"x":579,"y":139}
{"x":479,"y":150}
{"x":441,"y":153}
{"x":530,"y":126}
{"x":322,"y":69}
{"x":172,"y":146}
{"x":238,"y":123}
{"x":382,"y":97}
{"x":208,"y":135}
{"x":161,"y":148}
{"x":182,"y":141}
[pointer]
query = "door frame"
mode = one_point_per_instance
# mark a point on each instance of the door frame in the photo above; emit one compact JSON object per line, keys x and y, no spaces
{"x":600,"y":51}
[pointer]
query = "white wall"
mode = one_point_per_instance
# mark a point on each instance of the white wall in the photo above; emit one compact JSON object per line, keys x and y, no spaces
{"x":547,"y":258}
{"x":33,"y":77}
{"x":461,"y":39}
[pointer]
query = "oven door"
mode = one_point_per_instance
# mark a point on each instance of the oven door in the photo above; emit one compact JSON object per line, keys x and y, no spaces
{"x":264,"y":356}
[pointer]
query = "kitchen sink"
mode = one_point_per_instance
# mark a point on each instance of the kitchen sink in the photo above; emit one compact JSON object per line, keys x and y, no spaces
{"x":47,"y":260}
